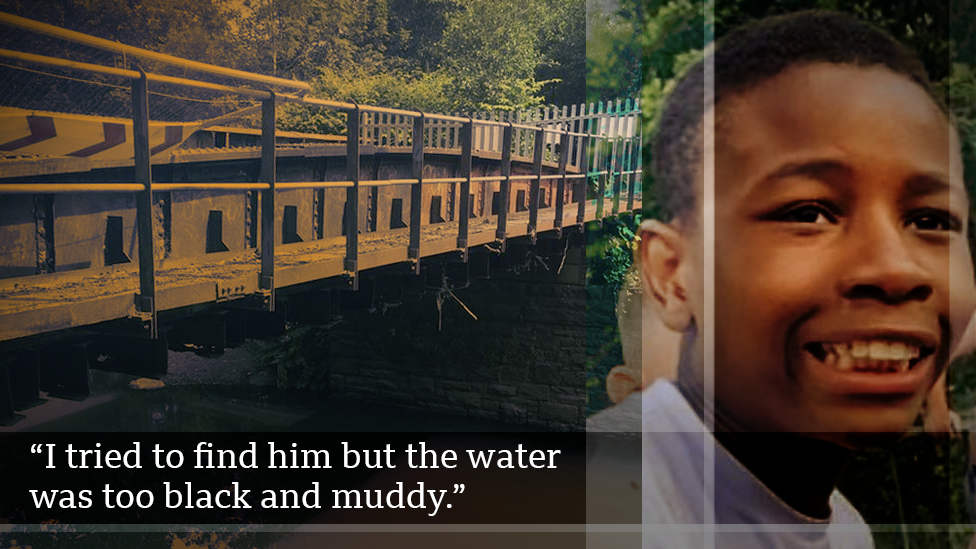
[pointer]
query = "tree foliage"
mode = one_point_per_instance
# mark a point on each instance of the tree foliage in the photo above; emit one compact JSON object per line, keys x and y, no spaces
{"x":493,"y":48}
{"x":426,"y":54}
{"x":563,"y":50}
{"x":294,"y":38}
{"x":394,"y":88}
{"x":613,"y":50}
{"x":196,"y":29}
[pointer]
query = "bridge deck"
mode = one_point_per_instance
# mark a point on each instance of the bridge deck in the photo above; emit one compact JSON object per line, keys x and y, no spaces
{"x":39,"y":304}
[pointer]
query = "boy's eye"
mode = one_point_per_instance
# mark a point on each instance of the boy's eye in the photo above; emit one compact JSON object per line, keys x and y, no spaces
{"x":806,"y":212}
{"x":934,"y":220}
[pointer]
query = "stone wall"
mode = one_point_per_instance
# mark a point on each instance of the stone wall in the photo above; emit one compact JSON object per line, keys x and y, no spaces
{"x":521,"y":361}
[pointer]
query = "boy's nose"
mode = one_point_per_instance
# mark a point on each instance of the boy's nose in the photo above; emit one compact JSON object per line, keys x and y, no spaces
{"x":882,"y":266}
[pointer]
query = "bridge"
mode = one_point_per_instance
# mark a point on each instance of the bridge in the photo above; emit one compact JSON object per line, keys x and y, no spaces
{"x":123,"y":233}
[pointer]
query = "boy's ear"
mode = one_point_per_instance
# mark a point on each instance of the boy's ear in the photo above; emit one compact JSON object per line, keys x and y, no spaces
{"x":663,"y":263}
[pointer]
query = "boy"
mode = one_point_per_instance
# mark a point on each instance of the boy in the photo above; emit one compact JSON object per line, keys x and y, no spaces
{"x":842,"y":278}
{"x":650,"y":349}
{"x":650,"y":352}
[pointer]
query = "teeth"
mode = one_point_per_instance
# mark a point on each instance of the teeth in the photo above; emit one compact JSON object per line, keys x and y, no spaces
{"x":898,"y":350}
{"x":831,"y":359}
{"x":844,"y":349}
{"x":878,"y":350}
{"x":877,"y":356}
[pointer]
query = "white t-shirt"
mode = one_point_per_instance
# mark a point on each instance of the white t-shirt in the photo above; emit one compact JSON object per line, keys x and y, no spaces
{"x":624,"y":417}
{"x":747,"y":514}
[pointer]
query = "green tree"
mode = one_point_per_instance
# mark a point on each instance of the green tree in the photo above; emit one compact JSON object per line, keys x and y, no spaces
{"x":194,"y":29}
{"x":294,"y":38}
{"x":563,"y":50}
{"x":416,"y":27}
{"x":613,"y":50}
{"x":397,"y":89}
{"x":921,"y":25}
{"x":197,"y":29}
{"x":673,"y":40}
{"x":428,"y":54}
{"x":492,"y":48}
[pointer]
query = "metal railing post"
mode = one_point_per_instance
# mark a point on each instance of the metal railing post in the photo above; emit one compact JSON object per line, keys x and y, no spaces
{"x":601,"y":166}
{"x":614,"y":167}
{"x":561,"y":182}
{"x":638,"y":164}
{"x":268,"y":175}
{"x":625,"y":180}
{"x":501,"y":232}
{"x":635,"y":178}
{"x":146,"y":300}
{"x":417,"y":191}
{"x":351,"y":264}
{"x":535,"y":185}
{"x":584,"y":181}
{"x":464,"y":204}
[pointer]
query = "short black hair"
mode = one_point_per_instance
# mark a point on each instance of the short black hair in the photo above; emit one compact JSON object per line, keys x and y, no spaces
{"x":748,"y":56}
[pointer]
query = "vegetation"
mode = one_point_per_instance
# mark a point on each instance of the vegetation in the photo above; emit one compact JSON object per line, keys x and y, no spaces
{"x":610,"y":250}
{"x":436,"y":55}
{"x":613,"y":52}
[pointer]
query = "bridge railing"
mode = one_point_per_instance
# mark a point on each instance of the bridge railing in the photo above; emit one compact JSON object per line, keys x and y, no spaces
{"x":611,"y":119}
{"x":600,"y":146}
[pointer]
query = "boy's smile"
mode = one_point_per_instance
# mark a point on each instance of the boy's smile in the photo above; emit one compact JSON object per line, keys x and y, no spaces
{"x":843,"y":272}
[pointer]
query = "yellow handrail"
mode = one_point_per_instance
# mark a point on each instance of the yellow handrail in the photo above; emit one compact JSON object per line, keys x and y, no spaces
{"x":115,"y":47}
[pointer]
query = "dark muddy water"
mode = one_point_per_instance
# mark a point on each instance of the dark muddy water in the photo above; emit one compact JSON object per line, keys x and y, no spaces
{"x":227,"y":394}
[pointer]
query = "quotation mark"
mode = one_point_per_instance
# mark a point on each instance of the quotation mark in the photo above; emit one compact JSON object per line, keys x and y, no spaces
{"x":39,"y":449}
{"x":458,"y":489}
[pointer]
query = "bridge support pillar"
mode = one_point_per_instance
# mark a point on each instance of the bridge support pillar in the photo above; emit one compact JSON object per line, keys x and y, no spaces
{"x":267,"y":324}
{"x":19,"y":387}
{"x":312,"y":307}
{"x":207,"y":332}
{"x":235,"y":327}
{"x":64,"y":371}
{"x":129,"y":355}
{"x":7,"y":415}
{"x":480,"y":263}
{"x":24,"y":378}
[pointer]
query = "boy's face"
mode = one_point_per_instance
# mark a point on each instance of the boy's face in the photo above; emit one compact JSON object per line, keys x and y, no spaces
{"x":843,"y":270}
